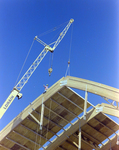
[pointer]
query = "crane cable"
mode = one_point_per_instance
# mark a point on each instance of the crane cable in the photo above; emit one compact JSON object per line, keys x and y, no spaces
{"x":25,"y":61}
{"x":52,"y":55}
{"x":37,"y":127}
{"x":49,"y":117}
{"x":68,"y":67}
{"x":53,"y":29}
{"x":41,"y":131}
{"x":38,"y":132}
{"x":50,"y":64}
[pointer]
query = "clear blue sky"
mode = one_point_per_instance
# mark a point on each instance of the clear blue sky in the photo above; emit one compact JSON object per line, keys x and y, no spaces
{"x":94,"y":49}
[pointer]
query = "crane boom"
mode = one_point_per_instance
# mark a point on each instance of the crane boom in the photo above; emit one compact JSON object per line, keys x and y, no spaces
{"x":30,"y":71}
{"x":32,"y":68}
{"x":62,"y":34}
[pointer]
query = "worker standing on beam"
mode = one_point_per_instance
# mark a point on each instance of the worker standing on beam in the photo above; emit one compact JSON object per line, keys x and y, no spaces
{"x":46,"y":88}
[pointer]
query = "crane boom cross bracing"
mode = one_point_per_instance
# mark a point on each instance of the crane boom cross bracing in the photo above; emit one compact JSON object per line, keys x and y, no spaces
{"x":32,"y":68}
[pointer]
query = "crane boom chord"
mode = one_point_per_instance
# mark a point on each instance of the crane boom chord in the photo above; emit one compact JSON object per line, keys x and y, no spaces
{"x":30,"y":71}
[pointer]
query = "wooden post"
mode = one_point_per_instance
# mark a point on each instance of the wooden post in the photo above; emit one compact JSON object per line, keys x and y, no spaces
{"x":34,"y":118}
{"x":85,"y":104}
{"x":79,"y":148}
{"x":42,"y":114}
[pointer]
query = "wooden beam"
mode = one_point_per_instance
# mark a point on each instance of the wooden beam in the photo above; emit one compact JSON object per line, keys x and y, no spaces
{"x":98,"y":131}
{"x":85,"y":103}
{"x":18,"y":119}
{"x":58,"y":115}
{"x":42,"y":114}
{"x":27,"y":138}
{"x":96,"y":148}
{"x":107,"y":144}
{"x":38,"y":133}
{"x":72,"y":129}
{"x":17,"y":143}
{"x":65,"y":108}
{"x":71,"y":143}
{"x":4,"y":147}
{"x":79,"y":136}
{"x":110,"y":110}
{"x":92,"y":137}
{"x":69,"y":100}
{"x":62,"y":148}
{"x":93,"y":87}
{"x":43,"y":127}
{"x":105,"y":126}
{"x":35,"y":119}
{"x":91,"y":145}
{"x":61,"y":127}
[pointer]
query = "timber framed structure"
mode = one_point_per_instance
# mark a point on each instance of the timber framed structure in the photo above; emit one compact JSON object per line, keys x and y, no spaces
{"x":70,"y":122}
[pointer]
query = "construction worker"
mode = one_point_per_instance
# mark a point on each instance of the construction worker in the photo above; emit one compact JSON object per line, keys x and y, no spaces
{"x":46,"y":87}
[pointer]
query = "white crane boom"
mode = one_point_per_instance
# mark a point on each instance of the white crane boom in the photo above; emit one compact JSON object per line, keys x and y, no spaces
{"x":29,"y":72}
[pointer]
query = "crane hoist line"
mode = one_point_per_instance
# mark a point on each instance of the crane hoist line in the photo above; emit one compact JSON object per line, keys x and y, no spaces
{"x":16,"y":90}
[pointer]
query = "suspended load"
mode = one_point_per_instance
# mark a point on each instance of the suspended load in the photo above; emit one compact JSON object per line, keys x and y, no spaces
{"x":50,"y":71}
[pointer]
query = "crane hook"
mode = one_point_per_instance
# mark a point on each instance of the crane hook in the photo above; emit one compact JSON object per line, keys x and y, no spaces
{"x":50,"y":71}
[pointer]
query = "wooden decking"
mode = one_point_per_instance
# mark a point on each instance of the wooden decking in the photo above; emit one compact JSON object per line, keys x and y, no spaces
{"x":63,"y":115}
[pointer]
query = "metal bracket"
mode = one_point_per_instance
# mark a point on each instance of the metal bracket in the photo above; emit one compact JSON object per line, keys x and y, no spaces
{"x":105,"y":98}
{"x":99,"y":109}
{"x":64,"y":82}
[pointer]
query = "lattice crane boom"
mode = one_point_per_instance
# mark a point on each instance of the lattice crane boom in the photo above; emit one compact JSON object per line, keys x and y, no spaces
{"x":30,"y":71}
{"x":32,"y":68}
{"x":62,"y":34}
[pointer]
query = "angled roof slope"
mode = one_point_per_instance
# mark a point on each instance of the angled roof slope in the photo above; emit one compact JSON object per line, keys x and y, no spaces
{"x":62,"y":105}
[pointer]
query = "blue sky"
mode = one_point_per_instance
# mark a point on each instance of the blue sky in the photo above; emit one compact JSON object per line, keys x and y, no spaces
{"x":94,"y":47}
